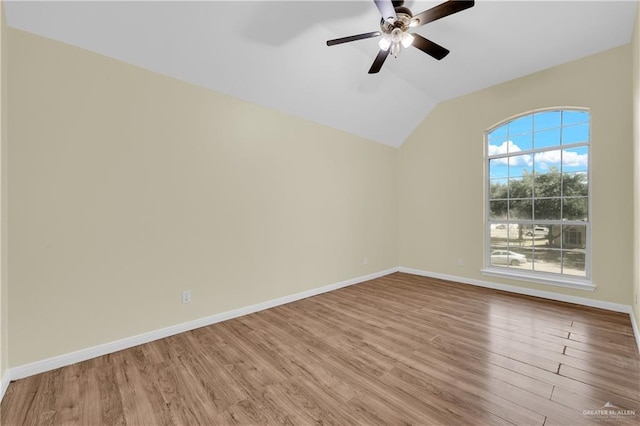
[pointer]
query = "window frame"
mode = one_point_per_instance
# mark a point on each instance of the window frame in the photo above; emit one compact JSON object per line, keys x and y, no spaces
{"x":550,"y":278}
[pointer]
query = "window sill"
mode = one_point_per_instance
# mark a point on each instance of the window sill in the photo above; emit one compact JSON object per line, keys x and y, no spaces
{"x":577,"y":283}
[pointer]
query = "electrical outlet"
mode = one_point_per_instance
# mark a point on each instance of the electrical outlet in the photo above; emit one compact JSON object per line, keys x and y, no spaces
{"x":365,"y":261}
{"x":186,"y":296}
{"x":636,"y":298}
{"x":460,"y":262}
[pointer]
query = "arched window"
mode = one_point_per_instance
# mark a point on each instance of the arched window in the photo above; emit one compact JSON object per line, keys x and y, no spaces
{"x":537,"y":197}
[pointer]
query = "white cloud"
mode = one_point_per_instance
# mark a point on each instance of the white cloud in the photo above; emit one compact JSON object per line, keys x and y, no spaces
{"x":547,"y":159}
{"x":544,"y":160}
{"x":573,"y":159}
{"x":507,"y":146}
{"x":510,"y":147}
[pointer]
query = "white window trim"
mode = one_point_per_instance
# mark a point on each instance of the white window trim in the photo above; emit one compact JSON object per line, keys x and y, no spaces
{"x":558,"y":280}
{"x":540,"y":278}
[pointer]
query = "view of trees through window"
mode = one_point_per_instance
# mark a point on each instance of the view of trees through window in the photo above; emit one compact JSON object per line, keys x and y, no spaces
{"x":538,"y":192}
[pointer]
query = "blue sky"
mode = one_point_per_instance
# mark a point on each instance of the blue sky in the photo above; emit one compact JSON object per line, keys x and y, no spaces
{"x":540,"y":130}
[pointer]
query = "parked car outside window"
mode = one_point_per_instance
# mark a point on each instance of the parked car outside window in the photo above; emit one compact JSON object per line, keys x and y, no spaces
{"x":505,"y":257}
{"x":538,"y":230}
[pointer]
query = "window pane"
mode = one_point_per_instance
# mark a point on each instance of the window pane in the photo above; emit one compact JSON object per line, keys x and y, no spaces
{"x":574,"y":236}
{"x":575,"y":159}
{"x":511,"y":233}
{"x":554,"y":236}
{"x":573,"y":262}
{"x":575,"y":184}
{"x":546,"y":138}
{"x":497,"y":147}
{"x":498,"y":209}
{"x":522,"y":142}
{"x":547,"y":260}
{"x":548,"y":162}
{"x":520,"y":165}
{"x":499,"y":236}
{"x":574,"y":209}
{"x":535,"y":231}
{"x":546,"y":209}
{"x":498,"y":168}
{"x":511,"y":257}
{"x":498,"y":133}
{"x":573,"y":117}
{"x":498,"y":188}
{"x":498,"y":257}
{"x":547,"y":185}
{"x":520,"y":187}
{"x":520,"y":209}
{"x":521,"y":125}
{"x":523,"y":238}
{"x":575,"y":134}
{"x":546,"y":120}
{"x":539,"y":234}
{"x":521,"y":259}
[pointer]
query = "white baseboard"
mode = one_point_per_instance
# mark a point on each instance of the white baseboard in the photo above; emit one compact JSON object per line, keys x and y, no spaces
{"x":49,"y":364}
{"x":610,"y":306}
{"x":636,"y":332}
{"x":617,"y":307}
{"x":4,"y":384}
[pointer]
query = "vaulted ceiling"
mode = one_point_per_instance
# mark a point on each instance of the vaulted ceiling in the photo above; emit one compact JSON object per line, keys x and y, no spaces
{"x":273,"y":53}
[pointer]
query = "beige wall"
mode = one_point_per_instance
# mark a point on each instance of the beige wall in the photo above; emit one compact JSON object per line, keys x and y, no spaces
{"x":4,"y":311}
{"x":635,"y":48}
{"x":441,"y":172}
{"x":128,"y":187}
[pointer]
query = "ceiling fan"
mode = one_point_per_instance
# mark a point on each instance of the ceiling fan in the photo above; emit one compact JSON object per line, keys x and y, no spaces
{"x":395,"y":24}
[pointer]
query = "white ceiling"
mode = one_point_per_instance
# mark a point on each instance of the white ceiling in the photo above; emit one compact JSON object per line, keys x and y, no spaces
{"x":273,"y":53}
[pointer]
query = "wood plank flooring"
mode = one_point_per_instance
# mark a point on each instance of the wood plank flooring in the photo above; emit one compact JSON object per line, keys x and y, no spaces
{"x":400,"y":349}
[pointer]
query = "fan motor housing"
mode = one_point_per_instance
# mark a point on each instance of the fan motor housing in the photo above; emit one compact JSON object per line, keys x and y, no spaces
{"x":404,"y":10}
{"x":404,"y":18}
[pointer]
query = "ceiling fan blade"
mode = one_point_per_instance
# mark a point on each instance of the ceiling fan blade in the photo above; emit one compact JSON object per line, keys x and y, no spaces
{"x":386,"y":9}
{"x":377,"y":63}
{"x":429,"y":47}
{"x":353,"y":38}
{"x":440,"y":11}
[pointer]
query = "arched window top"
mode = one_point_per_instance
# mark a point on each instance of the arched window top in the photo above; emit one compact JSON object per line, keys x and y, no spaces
{"x":539,"y":130}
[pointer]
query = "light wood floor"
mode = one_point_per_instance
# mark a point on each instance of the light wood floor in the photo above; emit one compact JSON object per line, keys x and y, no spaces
{"x":395,"y":350}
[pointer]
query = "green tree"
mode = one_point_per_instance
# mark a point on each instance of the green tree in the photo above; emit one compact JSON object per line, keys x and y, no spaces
{"x":548,"y":196}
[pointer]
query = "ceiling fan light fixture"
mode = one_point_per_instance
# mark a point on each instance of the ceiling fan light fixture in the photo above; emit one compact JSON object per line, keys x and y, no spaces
{"x":384,"y":43}
{"x":396,"y":35}
{"x":407,"y":40}
{"x":395,"y":49}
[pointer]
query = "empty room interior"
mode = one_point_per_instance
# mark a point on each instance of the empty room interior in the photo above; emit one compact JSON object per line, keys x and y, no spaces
{"x":302,"y":212}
